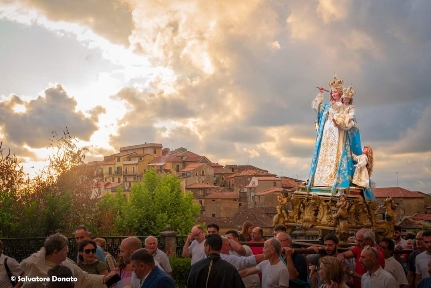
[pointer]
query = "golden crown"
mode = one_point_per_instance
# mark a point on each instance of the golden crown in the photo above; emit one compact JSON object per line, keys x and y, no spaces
{"x":349,"y":92}
{"x":336,"y":83}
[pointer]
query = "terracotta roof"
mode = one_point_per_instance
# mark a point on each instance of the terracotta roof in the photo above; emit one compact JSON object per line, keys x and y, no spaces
{"x":412,"y":224}
{"x":255,"y":172}
{"x":271,"y":178}
{"x":151,"y":145}
{"x":223,"y":195}
{"x":232,"y":176}
{"x":192,"y":167}
{"x":270,"y":191}
{"x":216,"y":165}
{"x":187,"y":156}
{"x":221,"y":170}
{"x":200,"y":185}
{"x":396,"y":192}
{"x":421,"y":217}
{"x":257,"y":216}
{"x":164,"y":159}
{"x":241,"y":167}
{"x":288,"y":183}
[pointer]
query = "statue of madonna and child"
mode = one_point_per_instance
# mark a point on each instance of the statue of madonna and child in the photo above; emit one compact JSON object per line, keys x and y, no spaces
{"x":339,"y":160}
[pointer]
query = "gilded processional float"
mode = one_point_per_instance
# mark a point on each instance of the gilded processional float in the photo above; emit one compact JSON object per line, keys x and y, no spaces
{"x":338,"y":196}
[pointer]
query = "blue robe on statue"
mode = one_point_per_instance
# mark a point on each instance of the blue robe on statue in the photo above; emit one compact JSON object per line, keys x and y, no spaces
{"x":351,"y":141}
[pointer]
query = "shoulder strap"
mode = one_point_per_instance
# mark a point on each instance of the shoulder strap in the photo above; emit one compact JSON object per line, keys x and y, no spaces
{"x":7,"y":268}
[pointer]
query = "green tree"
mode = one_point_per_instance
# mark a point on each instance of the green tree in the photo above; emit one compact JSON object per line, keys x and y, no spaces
{"x":156,"y":201}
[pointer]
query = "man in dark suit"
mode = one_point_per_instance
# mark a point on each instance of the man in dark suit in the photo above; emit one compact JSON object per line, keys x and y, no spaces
{"x":147,"y":272}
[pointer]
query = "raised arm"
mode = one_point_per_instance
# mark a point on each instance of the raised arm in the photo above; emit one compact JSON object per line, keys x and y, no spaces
{"x":186,"y":251}
{"x":235,"y":246}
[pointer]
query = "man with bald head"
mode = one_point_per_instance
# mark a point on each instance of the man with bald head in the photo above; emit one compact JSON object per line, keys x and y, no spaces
{"x":274,"y":271}
{"x":197,"y":247}
{"x":127,"y":247}
{"x":158,"y":255}
{"x":375,"y":275}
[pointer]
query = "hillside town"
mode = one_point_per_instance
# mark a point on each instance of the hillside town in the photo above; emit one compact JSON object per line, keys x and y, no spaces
{"x":231,"y":194}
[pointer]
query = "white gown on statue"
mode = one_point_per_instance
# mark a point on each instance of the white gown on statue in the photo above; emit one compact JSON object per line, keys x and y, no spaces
{"x":330,"y":149}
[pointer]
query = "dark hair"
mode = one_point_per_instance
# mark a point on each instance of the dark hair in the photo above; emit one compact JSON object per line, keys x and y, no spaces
{"x":213,"y":225}
{"x":55,"y":242}
{"x":280,"y":228}
{"x":233,"y":232}
{"x":84,"y":243}
{"x":61,"y":272}
{"x":426,"y":233}
{"x":410,"y":236}
{"x":397,"y":228}
{"x":260,"y":231}
{"x":82,"y":227}
{"x":142,"y":255}
{"x":390,"y":242}
{"x":332,"y":237}
{"x":214,"y":241}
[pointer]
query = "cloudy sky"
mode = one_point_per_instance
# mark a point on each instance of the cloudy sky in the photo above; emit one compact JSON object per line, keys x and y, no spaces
{"x":231,"y":80}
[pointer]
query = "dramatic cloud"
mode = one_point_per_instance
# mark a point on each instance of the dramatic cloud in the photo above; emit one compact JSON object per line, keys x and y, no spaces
{"x":52,"y":111}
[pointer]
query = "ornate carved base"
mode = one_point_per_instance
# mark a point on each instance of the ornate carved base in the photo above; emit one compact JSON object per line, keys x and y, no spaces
{"x":320,"y":209}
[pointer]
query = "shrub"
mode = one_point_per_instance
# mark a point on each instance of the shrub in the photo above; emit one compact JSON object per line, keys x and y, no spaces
{"x":180,"y":270}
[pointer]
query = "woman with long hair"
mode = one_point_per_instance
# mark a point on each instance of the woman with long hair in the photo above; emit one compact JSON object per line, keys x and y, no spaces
{"x":331,"y":273}
{"x":245,"y":234}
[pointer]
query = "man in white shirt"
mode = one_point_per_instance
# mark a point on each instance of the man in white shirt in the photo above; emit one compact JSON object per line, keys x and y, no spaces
{"x":274,"y":271}
{"x":391,"y":264}
{"x":197,"y":247}
{"x":375,"y":275}
{"x":422,"y":259}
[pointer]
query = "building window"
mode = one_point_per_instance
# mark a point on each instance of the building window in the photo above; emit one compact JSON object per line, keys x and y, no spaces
{"x":196,"y":173}
{"x":275,"y":184}
{"x":133,"y":170}
{"x":119,"y":180}
{"x":125,"y":170}
{"x":154,"y":151}
{"x":203,"y":173}
{"x":177,"y":168}
{"x":213,"y":214}
{"x":110,"y":170}
{"x":118,"y":159}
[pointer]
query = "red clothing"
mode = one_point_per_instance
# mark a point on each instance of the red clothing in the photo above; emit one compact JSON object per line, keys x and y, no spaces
{"x":358,"y":268}
{"x":256,"y":250}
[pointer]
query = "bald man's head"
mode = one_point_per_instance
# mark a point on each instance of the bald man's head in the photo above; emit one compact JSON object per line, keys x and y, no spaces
{"x":128,"y":246}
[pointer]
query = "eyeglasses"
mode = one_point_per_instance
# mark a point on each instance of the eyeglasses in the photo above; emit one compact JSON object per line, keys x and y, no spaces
{"x":88,"y":251}
{"x":372,"y":249}
{"x":196,"y":235}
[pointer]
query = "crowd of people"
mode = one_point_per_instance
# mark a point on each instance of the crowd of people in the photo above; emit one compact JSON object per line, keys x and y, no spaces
{"x":222,"y":261}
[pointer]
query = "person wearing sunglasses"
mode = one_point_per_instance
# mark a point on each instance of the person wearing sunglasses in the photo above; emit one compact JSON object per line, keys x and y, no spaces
{"x":364,"y":237}
{"x":54,"y":252}
{"x":375,"y":276}
{"x":88,"y":260}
